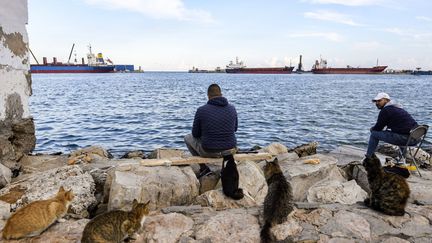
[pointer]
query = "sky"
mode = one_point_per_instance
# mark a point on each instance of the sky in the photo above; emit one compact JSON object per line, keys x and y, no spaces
{"x":176,"y":35}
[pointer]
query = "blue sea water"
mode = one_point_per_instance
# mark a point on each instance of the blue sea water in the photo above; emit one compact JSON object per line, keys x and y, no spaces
{"x":130,"y":111}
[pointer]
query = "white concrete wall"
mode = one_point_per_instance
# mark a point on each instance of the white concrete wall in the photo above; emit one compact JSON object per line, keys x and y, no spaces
{"x":14,"y":58}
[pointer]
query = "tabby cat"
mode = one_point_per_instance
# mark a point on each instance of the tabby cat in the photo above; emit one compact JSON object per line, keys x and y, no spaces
{"x":115,"y":226}
{"x":34,"y":218}
{"x":278,"y":202}
{"x":389,"y":191}
{"x":230,"y":178}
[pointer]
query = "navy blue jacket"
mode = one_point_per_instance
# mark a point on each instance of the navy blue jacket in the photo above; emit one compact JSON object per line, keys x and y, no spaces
{"x":396,"y":119}
{"x":215,"y":123}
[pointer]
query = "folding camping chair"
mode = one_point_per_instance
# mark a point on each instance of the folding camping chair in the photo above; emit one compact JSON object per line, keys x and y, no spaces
{"x":416,"y":134}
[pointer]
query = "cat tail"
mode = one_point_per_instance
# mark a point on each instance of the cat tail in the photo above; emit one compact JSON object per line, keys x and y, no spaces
{"x":238,"y":194}
{"x":266,"y":234}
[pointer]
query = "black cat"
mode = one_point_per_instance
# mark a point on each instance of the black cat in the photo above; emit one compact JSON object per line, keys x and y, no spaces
{"x":230,"y":178}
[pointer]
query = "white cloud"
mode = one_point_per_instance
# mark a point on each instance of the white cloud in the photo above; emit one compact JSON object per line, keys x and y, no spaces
{"x":331,"y":16}
{"x":331,"y":36}
{"x":396,"y":30}
{"x":411,"y":35}
{"x":369,"y":45}
{"x":348,"y":2}
{"x":160,"y":9}
{"x":428,"y":19}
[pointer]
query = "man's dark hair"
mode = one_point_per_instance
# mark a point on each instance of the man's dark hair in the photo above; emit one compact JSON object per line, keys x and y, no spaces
{"x":214,"y":90}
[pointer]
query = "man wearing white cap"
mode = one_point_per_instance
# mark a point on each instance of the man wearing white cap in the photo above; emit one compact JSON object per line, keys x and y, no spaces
{"x":398,"y":122}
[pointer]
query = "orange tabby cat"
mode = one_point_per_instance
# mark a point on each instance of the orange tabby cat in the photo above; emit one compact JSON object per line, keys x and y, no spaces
{"x":34,"y":218}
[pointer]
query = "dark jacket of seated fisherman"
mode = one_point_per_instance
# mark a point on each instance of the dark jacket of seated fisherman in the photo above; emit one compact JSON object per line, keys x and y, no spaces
{"x":395,"y":118}
{"x":215,"y":124}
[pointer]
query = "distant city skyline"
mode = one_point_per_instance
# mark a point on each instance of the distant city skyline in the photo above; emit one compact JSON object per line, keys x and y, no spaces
{"x":176,"y":35}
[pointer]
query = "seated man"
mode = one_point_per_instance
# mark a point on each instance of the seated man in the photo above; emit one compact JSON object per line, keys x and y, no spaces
{"x":398,"y":122}
{"x":214,"y":128}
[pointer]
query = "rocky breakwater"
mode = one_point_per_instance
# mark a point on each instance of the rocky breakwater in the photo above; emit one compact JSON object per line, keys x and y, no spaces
{"x":328,"y":197}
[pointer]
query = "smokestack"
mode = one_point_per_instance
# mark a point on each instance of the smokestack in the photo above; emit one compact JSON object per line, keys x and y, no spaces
{"x":82,"y":60}
{"x":300,"y":65}
{"x":45,"y":62}
{"x":54,"y":60}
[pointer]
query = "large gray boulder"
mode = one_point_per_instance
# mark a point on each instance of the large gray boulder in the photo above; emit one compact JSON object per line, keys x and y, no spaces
{"x":44,"y":185}
{"x":251,"y":180}
{"x":165,"y":228}
{"x":234,"y":225}
{"x":69,"y":231}
{"x":303,"y":176}
{"x":334,"y":191}
{"x":163,"y":186}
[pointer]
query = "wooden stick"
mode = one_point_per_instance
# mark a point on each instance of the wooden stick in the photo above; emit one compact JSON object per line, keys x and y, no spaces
{"x":201,"y":160}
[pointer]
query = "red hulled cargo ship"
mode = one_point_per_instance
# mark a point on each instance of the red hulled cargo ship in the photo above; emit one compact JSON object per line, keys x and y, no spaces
{"x":320,"y":67}
{"x":239,"y":67}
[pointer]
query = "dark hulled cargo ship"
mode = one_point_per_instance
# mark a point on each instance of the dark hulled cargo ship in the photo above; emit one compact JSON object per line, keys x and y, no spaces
{"x":320,"y":67}
{"x":239,"y":67}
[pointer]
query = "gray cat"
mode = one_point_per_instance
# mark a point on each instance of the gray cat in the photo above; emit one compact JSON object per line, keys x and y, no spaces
{"x":115,"y":226}
{"x":278,"y":201}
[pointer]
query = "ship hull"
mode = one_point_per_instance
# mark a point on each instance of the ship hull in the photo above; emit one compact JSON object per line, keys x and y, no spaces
{"x":421,"y":73}
{"x":373,"y":70}
{"x":275,"y":70}
{"x":71,"y":69}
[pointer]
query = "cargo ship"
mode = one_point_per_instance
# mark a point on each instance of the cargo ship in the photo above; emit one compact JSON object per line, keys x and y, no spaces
{"x":320,"y":67}
{"x":421,"y":72}
{"x":95,"y":64}
{"x":239,"y":67}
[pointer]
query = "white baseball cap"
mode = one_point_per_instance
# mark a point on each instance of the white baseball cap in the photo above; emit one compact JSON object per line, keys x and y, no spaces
{"x":381,"y":95}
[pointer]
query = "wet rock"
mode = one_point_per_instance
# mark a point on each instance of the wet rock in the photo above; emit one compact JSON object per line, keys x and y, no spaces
{"x":92,"y":150}
{"x":134,"y":154}
{"x":305,"y":149}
